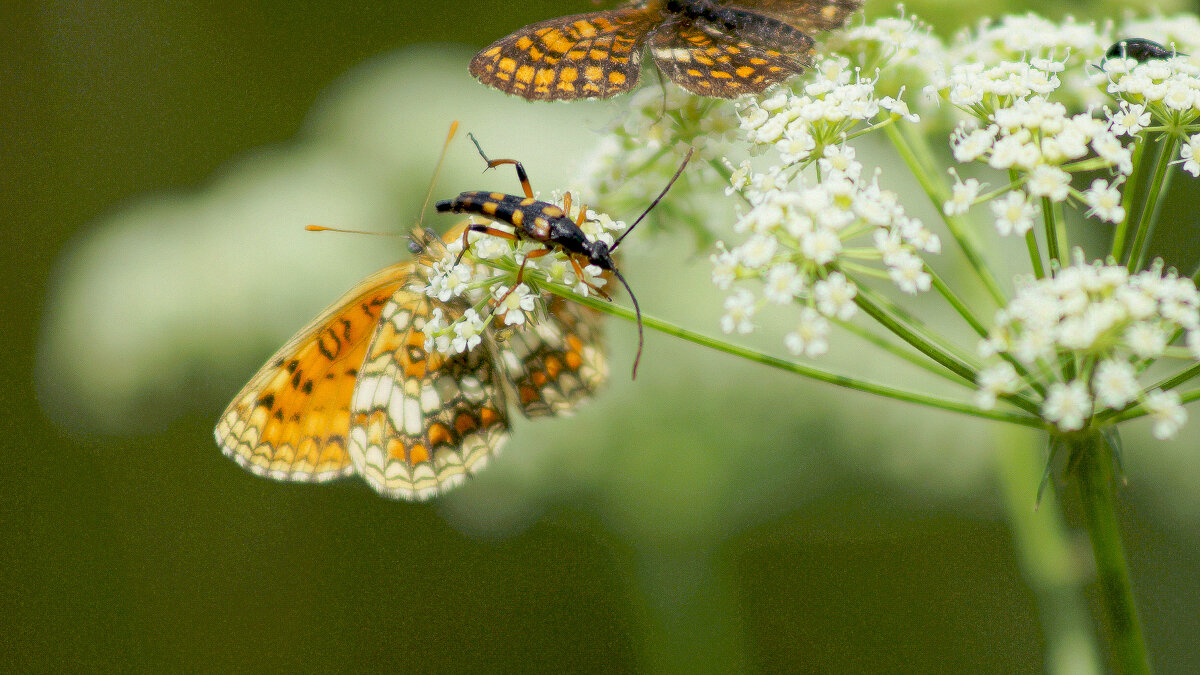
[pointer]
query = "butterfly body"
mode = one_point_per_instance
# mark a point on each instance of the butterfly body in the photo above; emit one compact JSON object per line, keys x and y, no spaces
{"x":713,"y":17}
{"x":720,"y":48}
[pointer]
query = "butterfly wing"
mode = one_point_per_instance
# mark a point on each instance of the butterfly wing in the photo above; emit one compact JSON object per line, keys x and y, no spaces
{"x":558,"y":362}
{"x":594,"y":55}
{"x":809,"y":16}
{"x":711,"y":63}
{"x":422,"y":421}
{"x":292,"y":420}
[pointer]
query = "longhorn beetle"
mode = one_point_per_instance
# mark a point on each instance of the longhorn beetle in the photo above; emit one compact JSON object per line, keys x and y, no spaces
{"x":548,"y":224}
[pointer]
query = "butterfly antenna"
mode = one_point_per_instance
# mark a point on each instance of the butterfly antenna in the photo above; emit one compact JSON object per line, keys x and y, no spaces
{"x":678,"y":173}
{"x":638,"y":311}
{"x":436,"y":171}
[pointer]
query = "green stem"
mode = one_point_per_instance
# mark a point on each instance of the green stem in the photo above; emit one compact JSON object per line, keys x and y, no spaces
{"x":956,"y":302}
{"x":1094,"y":466}
{"x":926,"y":347}
{"x":1035,"y":255}
{"x":1152,"y":196}
{"x":1130,"y":197}
{"x":896,"y":350}
{"x":1060,"y":227}
{"x":978,"y":326}
{"x":915,"y":324}
{"x":1050,"y":225}
{"x":938,"y":193}
{"x":1159,"y":202}
{"x":796,"y":368}
{"x":1046,"y":553}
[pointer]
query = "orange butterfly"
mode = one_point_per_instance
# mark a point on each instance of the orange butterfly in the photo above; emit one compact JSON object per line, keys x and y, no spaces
{"x":721,"y":48}
{"x":356,"y":391}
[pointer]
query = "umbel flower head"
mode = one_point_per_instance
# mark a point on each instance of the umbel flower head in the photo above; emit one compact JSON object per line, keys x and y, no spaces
{"x":1100,"y":325}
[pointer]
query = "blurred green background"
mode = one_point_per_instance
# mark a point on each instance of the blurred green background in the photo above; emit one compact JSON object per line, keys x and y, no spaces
{"x":711,"y":516}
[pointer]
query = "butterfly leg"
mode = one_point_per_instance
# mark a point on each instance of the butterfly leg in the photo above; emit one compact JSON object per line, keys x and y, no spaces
{"x":493,"y":163}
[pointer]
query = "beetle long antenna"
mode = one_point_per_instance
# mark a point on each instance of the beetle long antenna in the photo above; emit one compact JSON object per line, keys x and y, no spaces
{"x":657,"y":199}
{"x":637,"y":310}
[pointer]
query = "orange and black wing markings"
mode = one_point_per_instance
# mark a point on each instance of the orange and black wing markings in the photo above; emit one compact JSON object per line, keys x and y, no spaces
{"x":422,"y":421}
{"x":557,"y":362}
{"x":724,"y":66}
{"x":709,"y":47}
{"x":594,"y":55}
{"x":290,"y":421}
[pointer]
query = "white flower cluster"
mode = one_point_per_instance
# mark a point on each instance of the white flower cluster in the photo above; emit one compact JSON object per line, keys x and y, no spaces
{"x":1161,"y":91}
{"x":1028,"y":38}
{"x":486,"y":288}
{"x":835,"y":102}
{"x":1110,"y":325}
{"x":797,"y":235}
{"x":1015,"y":126}
{"x":892,"y":42}
{"x":799,"y":232}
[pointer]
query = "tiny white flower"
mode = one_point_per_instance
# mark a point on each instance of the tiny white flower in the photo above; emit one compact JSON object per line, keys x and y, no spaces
{"x":835,"y":296}
{"x":898,"y":108}
{"x":758,"y":250}
{"x":592,"y":276}
{"x":999,"y":379}
{"x":436,"y":328}
{"x":1105,"y":201}
{"x":739,"y":309}
{"x":962,"y":196}
{"x":1067,"y":405}
{"x":1146,"y":340}
{"x":811,"y":335}
{"x":795,"y":146}
{"x":783,"y":284}
{"x":739,"y":178}
{"x":1014,"y":213}
{"x":467,"y":332}
{"x":840,"y":158}
{"x":725,"y":266}
{"x":1109,"y":148}
{"x":969,"y":147}
{"x":1130,"y":119}
{"x":907,"y":271}
{"x":821,"y":246}
{"x":1190,"y":154}
{"x":1166,"y":411}
{"x":1115,"y":384}
{"x":1049,"y":181}
{"x":515,"y":305}
{"x":490,"y":248}
{"x":1179,"y":96}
